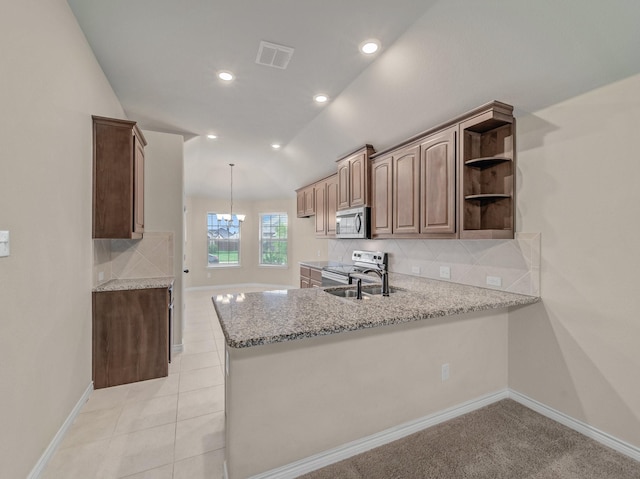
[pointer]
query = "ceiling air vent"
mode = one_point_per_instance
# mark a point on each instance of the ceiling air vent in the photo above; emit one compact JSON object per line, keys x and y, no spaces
{"x":272,"y":55}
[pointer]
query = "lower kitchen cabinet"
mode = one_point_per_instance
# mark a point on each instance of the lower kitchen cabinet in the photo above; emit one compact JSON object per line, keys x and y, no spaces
{"x":310,"y":277}
{"x":130,"y":335}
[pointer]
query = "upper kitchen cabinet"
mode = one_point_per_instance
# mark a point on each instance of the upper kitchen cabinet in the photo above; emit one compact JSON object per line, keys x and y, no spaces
{"x":396,"y":193}
{"x":406,"y":191}
{"x":487,"y":166}
{"x":414,"y":189}
{"x":326,"y":198}
{"x":354,"y":179}
{"x":118,"y":179}
{"x":382,"y":196}
{"x":438,"y":183}
{"x":306,"y":201}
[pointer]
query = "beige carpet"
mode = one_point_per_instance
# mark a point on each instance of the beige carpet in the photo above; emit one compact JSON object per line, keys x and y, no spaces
{"x":502,"y":441}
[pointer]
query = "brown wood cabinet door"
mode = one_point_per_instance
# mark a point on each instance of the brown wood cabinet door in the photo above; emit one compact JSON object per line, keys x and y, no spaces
{"x":138,"y":187}
{"x":381,"y":187}
{"x":309,"y":201}
{"x":332,"y":204}
{"x":343,"y":185}
{"x":300,"y":204}
{"x":358,"y":183}
{"x":406,"y":191}
{"x":437,"y":182}
{"x":320,"y":196}
{"x":130,"y":336}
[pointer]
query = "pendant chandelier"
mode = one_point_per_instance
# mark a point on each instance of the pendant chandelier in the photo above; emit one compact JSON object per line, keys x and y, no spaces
{"x":228,"y":217}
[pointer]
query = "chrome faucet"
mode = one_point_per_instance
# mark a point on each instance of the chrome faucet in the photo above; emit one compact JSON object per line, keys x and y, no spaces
{"x":384,"y":277}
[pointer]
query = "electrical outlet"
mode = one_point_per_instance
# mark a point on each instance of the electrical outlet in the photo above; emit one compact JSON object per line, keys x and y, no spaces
{"x":445,"y":371}
{"x":100,"y":275}
{"x":208,"y":275}
{"x":494,"y":281}
{"x":415,"y":269}
{"x":445,"y":272}
{"x":4,"y":243}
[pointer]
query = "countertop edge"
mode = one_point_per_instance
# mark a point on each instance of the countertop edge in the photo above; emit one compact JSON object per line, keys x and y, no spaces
{"x":134,"y":283}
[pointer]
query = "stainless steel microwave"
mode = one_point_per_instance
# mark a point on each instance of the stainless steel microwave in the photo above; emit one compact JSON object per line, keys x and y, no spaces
{"x":353,"y":223}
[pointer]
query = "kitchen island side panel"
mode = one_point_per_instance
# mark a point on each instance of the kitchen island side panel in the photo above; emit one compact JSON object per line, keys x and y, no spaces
{"x":290,"y":400}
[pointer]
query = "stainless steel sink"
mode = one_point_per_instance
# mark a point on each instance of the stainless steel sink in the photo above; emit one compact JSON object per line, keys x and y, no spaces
{"x":367,"y":292}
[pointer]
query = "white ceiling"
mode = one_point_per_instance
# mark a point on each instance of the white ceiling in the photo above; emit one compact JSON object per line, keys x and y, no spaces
{"x":161,"y":58}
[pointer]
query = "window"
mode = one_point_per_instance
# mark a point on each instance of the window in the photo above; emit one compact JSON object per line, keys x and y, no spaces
{"x":273,"y":239}
{"x":223,"y":241}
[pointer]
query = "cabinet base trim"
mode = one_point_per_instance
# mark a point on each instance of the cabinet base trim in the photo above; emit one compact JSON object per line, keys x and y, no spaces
{"x":57,"y":439}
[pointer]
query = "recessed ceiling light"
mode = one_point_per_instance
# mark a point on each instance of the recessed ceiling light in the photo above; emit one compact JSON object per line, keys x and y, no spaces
{"x":212,"y":137}
{"x":321,"y":98}
{"x":225,"y":76}
{"x":369,"y":47}
{"x":275,"y":146}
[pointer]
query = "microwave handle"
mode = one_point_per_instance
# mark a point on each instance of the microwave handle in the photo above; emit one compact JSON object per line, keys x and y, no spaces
{"x":358,"y":223}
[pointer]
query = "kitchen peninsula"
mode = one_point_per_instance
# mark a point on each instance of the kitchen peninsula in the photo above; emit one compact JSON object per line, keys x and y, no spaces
{"x":307,"y":371}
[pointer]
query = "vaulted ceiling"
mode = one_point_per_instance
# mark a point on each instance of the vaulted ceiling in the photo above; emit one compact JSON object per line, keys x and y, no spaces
{"x":162,"y":58}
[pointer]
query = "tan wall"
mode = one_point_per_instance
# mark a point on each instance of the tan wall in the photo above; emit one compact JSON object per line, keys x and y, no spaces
{"x":163,"y":205}
{"x":303,"y":245}
{"x":319,"y":393}
{"x":578,"y":351}
{"x":50,"y":86}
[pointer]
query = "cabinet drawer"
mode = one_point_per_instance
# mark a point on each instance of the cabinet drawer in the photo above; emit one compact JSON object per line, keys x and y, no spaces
{"x":316,"y":275}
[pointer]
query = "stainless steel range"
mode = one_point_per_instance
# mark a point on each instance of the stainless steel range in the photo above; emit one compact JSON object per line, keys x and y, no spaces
{"x":363,"y":261}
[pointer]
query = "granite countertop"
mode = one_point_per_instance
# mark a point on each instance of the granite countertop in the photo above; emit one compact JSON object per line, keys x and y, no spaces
{"x":137,"y":283}
{"x":252,"y":319}
{"x":320,"y":264}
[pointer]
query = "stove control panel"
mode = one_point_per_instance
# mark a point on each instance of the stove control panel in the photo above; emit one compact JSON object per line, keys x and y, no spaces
{"x":370,"y":259}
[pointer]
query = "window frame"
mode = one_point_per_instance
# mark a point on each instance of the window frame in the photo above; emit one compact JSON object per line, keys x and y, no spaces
{"x":279,"y":240}
{"x":209,"y":242}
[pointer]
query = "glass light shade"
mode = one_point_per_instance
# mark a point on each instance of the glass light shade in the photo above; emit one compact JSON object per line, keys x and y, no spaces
{"x":224,"y":217}
{"x":240,"y":217}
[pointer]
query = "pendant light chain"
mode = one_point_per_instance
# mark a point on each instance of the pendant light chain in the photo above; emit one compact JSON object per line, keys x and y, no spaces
{"x":231,"y":212}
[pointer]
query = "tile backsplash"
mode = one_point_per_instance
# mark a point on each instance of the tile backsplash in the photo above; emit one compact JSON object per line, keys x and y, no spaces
{"x":150,"y":257}
{"x":516,"y":262}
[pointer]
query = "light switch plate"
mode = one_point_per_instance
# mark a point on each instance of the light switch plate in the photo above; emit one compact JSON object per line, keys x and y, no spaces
{"x":494,"y":281}
{"x":4,"y":243}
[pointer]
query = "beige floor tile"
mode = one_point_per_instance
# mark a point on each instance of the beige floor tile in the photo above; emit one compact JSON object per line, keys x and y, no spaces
{"x":140,"y":451}
{"x":164,"y":472}
{"x":106,"y":398}
{"x":200,"y":402}
{"x":197,"y":327}
{"x":204,"y":466}
{"x":91,"y":426}
{"x":199,"y":435}
{"x":140,"y":415}
{"x":82,"y":461}
{"x":174,"y":365}
{"x":194,"y":337}
{"x":201,"y":378}
{"x":199,"y":347}
{"x":144,"y":390}
{"x":199,"y":361}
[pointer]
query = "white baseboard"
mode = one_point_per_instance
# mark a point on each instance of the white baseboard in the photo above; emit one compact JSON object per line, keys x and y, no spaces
{"x":326,"y":458}
{"x":317,"y":461}
{"x":579,"y":426}
{"x":57,"y":439}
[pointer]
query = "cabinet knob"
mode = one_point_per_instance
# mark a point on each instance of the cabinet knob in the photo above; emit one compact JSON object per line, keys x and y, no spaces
{"x":186,"y":271}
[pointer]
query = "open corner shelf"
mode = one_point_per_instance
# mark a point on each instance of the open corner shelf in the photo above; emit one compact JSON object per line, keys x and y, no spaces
{"x":487,"y":174}
{"x":486,"y":162}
